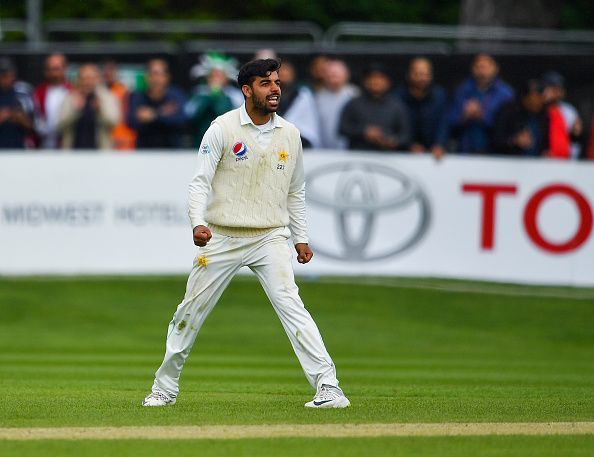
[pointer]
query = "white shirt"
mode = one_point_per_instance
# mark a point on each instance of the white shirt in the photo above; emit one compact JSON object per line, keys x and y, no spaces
{"x":330,"y":105}
{"x":211,"y":150}
{"x":53,"y":101}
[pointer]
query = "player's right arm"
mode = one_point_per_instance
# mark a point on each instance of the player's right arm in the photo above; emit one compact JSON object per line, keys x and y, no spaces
{"x":209,"y":155}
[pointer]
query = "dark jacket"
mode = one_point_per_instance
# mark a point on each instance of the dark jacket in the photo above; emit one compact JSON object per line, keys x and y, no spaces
{"x":166,"y":130}
{"x":13,"y":134}
{"x":511,"y":119}
{"x":425,"y":114}
{"x":387,"y":112}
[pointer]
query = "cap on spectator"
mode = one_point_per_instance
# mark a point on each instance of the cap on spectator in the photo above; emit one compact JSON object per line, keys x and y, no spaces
{"x":6,"y":65}
{"x":214,"y":60}
{"x":552,"y":78}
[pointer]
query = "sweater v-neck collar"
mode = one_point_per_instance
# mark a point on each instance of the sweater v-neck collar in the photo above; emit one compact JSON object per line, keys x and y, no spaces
{"x":246,"y":121}
{"x":253,"y":144}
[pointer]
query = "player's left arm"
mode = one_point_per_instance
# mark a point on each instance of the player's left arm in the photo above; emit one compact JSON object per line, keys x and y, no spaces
{"x":296,"y":207}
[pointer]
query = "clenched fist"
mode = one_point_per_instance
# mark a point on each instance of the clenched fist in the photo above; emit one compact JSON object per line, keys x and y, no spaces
{"x":304,"y":252}
{"x":202,"y":235}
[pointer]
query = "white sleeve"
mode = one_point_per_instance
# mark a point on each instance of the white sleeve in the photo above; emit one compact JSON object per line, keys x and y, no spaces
{"x":209,"y":154}
{"x":296,"y":201}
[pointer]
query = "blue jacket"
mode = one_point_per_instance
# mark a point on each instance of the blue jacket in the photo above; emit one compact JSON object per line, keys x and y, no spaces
{"x":474,"y":135}
{"x":12,"y":134}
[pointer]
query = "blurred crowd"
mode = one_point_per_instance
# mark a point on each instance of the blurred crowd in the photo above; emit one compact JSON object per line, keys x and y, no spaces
{"x":483,"y":115}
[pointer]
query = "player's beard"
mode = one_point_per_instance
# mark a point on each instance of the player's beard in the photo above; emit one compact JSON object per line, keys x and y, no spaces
{"x":261,"y":105}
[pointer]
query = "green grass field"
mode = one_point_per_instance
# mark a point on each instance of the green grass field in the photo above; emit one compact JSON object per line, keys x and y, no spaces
{"x":82,"y":352}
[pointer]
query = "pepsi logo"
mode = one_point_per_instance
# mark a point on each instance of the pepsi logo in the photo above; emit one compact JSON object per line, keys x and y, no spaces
{"x":239,"y":149}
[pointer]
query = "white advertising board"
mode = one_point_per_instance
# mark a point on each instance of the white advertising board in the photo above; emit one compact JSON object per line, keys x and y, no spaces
{"x":527,"y":221}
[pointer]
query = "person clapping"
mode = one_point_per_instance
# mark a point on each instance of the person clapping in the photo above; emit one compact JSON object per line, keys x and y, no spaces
{"x":88,"y":112}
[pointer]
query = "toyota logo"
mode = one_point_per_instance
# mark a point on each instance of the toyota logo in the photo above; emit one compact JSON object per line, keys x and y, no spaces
{"x":369,"y":211}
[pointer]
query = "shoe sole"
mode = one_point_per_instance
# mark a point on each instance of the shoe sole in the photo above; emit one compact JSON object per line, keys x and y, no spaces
{"x":148,"y":405}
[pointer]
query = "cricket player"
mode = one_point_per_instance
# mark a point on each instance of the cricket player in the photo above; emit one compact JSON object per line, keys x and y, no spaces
{"x":246,"y":201}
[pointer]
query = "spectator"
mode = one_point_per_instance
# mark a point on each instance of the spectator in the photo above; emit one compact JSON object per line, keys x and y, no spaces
{"x":123,"y":138}
{"x":521,"y":127}
{"x":48,"y":97}
{"x":214,"y":95}
{"x":297,"y":105}
{"x":565,"y":125}
{"x":331,"y":99}
{"x":157,"y":114}
{"x":590,"y":145}
{"x":375,"y":120}
{"x":426,"y":104}
{"x":88,"y":113}
{"x":16,"y":108}
{"x":477,"y":100}
{"x":317,"y":70}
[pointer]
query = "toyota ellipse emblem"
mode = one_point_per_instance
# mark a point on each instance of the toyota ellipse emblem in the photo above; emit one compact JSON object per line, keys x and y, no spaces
{"x":368,"y":211}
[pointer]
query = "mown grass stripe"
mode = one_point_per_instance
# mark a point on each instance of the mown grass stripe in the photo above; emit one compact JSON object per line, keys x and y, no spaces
{"x":503,"y":289}
{"x":226,"y":432}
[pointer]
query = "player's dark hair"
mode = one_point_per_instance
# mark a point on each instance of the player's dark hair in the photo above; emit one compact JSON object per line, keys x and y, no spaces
{"x":259,"y":67}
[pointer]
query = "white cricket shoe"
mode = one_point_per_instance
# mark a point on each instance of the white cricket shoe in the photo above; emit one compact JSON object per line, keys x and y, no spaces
{"x":158,"y":398}
{"x":329,"y":397}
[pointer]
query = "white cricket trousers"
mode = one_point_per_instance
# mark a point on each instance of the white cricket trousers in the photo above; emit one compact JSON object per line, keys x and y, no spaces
{"x":269,"y":257}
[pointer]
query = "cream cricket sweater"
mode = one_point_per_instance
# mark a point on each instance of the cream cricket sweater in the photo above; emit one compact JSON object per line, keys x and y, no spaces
{"x":250,"y":178}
